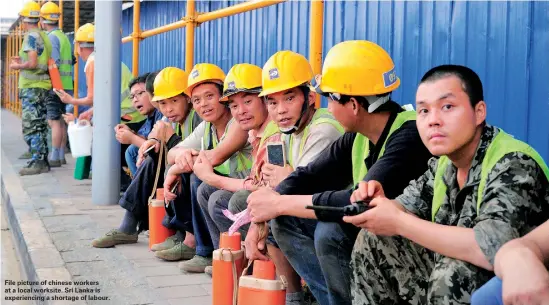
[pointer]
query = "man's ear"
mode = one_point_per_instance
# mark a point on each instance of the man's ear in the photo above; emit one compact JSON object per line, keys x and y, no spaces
{"x":355,"y":105}
{"x":312,"y":97}
{"x":480,"y":112}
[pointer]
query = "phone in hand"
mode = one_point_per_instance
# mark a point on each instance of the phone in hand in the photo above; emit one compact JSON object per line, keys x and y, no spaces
{"x":276,"y":155}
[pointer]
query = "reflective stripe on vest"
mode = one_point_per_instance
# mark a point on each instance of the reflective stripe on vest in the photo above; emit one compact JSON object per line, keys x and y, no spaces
{"x":38,"y":77}
{"x":361,"y":144}
{"x":321,"y":116}
{"x":65,"y":59}
{"x":502,"y":145}
{"x":231,"y":166}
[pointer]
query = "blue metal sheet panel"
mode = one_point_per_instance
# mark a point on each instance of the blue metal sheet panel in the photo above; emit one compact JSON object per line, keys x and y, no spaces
{"x":505,"y":42}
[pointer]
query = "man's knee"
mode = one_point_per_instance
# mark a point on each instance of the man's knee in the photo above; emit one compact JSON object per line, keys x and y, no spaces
{"x":330,"y":236}
{"x":238,"y":202}
{"x":489,"y":294}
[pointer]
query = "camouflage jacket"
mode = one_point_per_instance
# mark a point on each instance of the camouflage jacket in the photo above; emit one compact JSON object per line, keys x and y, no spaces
{"x":516,"y":197}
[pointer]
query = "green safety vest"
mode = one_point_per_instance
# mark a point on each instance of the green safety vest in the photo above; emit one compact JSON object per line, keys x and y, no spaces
{"x":188,"y":126}
{"x":65,"y":59}
{"x":38,"y":77}
{"x":126,"y":105}
{"x":321,"y":116}
{"x":502,"y":145}
{"x":231,"y":165}
{"x":361,"y":145}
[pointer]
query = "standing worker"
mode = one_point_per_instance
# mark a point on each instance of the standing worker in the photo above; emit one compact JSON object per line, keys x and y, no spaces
{"x":62,"y":54}
{"x":34,"y":83}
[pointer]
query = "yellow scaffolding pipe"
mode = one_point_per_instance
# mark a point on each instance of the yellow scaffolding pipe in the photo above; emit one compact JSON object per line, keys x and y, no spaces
{"x":20,"y":42}
{"x":61,"y":15}
{"x":189,"y":35}
{"x":136,"y":35}
{"x":315,"y":43}
{"x":236,"y":9}
{"x":7,"y":74}
{"x":76,"y":69}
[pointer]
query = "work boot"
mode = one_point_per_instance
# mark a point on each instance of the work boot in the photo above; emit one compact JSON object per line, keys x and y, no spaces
{"x":167,"y":244}
{"x":114,"y":237}
{"x":55,"y":163}
{"x":35,"y":167}
{"x":176,"y":253}
{"x":25,"y":156}
{"x":208,"y":270}
{"x":196,"y":265}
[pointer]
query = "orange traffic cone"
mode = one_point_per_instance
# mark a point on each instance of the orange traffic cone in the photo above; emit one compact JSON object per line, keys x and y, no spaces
{"x":55,"y":76}
{"x":226,"y":268}
{"x":262,"y":287}
{"x":157,"y":232}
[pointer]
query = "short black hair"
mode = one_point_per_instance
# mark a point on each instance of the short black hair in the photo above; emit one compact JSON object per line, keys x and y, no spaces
{"x":149,"y":82}
{"x":470,"y":80}
{"x":138,"y":80}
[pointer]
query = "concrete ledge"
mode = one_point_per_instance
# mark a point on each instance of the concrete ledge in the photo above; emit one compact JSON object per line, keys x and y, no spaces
{"x":31,"y":238}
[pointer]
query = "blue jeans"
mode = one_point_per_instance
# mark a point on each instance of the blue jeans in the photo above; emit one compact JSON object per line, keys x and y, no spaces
{"x":131,"y":158}
{"x":212,"y":202}
{"x":489,"y":294}
{"x":320,"y":253}
{"x":204,"y":244}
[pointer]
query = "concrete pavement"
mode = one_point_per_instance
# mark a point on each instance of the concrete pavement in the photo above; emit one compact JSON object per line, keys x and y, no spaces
{"x":53,"y":222}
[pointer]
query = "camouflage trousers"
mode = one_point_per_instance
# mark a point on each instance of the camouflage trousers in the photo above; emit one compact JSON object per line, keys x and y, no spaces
{"x":395,"y":270}
{"x":35,"y":125}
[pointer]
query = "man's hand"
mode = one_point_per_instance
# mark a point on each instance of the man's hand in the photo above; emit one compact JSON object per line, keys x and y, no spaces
{"x":185,"y":159}
{"x":274,"y":174}
{"x":125,"y":136}
{"x":366,"y":190}
{"x":69,"y":117}
{"x":144,"y":147}
{"x":164,"y":130}
{"x":263,"y":204}
{"x":65,"y":97}
{"x":526,"y":285}
{"x":383,"y":218}
{"x":15,"y":63}
{"x":86,"y":115}
{"x":169,"y":182}
{"x":202,"y":168}
{"x":254,"y":245}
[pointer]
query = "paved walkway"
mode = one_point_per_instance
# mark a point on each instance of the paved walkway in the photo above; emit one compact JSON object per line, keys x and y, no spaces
{"x":54,"y":221}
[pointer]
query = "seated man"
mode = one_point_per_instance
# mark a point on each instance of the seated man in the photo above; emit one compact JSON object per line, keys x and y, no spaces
{"x":381,"y":143}
{"x":170,"y":86}
{"x":218,"y":128}
{"x":522,"y":276}
{"x":436,"y":243}
{"x":132,"y":141}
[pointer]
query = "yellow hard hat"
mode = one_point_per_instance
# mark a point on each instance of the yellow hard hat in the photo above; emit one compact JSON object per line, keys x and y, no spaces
{"x":30,"y":12}
{"x":242,"y":78}
{"x":85,"y":35}
{"x":285,"y":70}
{"x":357,"y":68}
{"x":205,"y":73}
{"x":169,"y":82}
{"x":50,"y":12}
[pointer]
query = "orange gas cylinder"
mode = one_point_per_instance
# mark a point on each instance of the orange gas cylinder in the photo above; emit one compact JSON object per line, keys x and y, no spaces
{"x":262,"y":287}
{"x":55,"y":76}
{"x":157,"y":232}
{"x":227,"y":267}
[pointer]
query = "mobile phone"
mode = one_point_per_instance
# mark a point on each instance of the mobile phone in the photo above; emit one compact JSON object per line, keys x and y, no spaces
{"x":276,"y":154}
{"x":174,"y":188}
{"x":358,"y":207}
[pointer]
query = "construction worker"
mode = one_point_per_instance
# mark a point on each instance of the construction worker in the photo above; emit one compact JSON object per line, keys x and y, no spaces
{"x":85,"y":37}
{"x":436,"y":242}
{"x":522,"y":275}
{"x":62,"y":54}
{"x":381,"y":142}
{"x":219,"y":128}
{"x":34,"y":83}
{"x":169,"y":86}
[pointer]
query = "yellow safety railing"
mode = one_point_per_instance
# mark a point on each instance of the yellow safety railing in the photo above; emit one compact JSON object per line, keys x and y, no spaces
{"x":192,"y":19}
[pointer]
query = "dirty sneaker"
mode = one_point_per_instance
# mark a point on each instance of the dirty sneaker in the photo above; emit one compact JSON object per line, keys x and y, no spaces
{"x":114,"y":237}
{"x":179,"y":252}
{"x":35,"y":167}
{"x":196,"y":265}
{"x":25,"y":156}
{"x":55,"y":163}
{"x":165,"y":245}
{"x":208,"y":270}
